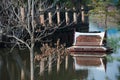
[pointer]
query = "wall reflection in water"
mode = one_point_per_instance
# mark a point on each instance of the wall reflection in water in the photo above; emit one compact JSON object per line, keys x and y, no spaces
{"x":91,"y":68}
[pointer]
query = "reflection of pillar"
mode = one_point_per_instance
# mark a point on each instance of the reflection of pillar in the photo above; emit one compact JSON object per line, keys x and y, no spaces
{"x":66,"y":62}
{"x":50,"y":64}
{"x":9,"y":74}
{"x":22,"y":74}
{"x":41,"y":66}
{"x":12,"y":67}
{"x":1,"y":67}
{"x":58,"y":63}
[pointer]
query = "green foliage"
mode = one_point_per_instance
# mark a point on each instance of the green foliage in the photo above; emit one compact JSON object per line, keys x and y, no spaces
{"x":111,"y":58}
{"x":99,"y":7}
{"x":118,"y":3}
{"x":113,"y":43}
{"x":105,"y":12}
{"x":102,"y":6}
{"x":86,"y":2}
{"x":71,"y":3}
{"x":67,"y":3}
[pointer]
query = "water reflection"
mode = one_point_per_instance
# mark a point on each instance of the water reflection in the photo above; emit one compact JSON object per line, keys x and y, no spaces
{"x":13,"y":66}
{"x":88,"y":63}
{"x":95,"y":67}
{"x":70,"y":68}
{"x":79,"y":68}
{"x":112,"y":70}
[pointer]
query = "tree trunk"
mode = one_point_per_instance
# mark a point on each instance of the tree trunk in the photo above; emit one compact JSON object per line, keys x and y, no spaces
{"x":32,"y":44}
{"x":105,"y":39}
{"x":32,"y":57}
{"x":31,"y":64}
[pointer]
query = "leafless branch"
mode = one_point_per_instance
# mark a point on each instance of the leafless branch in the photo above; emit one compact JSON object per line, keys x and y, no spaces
{"x":15,"y":13}
{"x":19,"y":40}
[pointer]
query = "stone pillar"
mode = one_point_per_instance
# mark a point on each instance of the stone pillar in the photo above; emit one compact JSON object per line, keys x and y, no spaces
{"x":42,"y":19}
{"x":74,"y":15}
{"x":66,"y":16}
{"x":58,"y":15}
{"x":82,"y":14}
{"x":22,"y":12}
{"x":50,"y":18}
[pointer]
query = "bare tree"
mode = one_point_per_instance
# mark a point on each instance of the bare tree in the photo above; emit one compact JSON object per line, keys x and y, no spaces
{"x":24,"y":25}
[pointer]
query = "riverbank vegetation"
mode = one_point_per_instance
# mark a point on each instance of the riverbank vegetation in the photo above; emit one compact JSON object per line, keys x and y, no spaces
{"x":105,"y":13}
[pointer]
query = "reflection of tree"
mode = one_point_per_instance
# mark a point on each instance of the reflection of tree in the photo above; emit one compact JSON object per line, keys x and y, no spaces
{"x":118,"y":76}
{"x":104,"y":61}
{"x":13,"y":66}
{"x":83,"y":74}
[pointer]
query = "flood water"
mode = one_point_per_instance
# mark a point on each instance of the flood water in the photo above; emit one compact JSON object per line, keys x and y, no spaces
{"x":76,"y":68}
{"x":84,"y":68}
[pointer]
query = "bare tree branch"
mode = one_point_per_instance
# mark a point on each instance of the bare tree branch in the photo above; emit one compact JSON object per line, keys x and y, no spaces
{"x":19,"y":40}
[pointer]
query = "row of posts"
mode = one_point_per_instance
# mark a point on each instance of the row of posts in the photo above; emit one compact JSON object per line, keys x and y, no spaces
{"x":58,"y":17}
{"x":76,"y":14}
